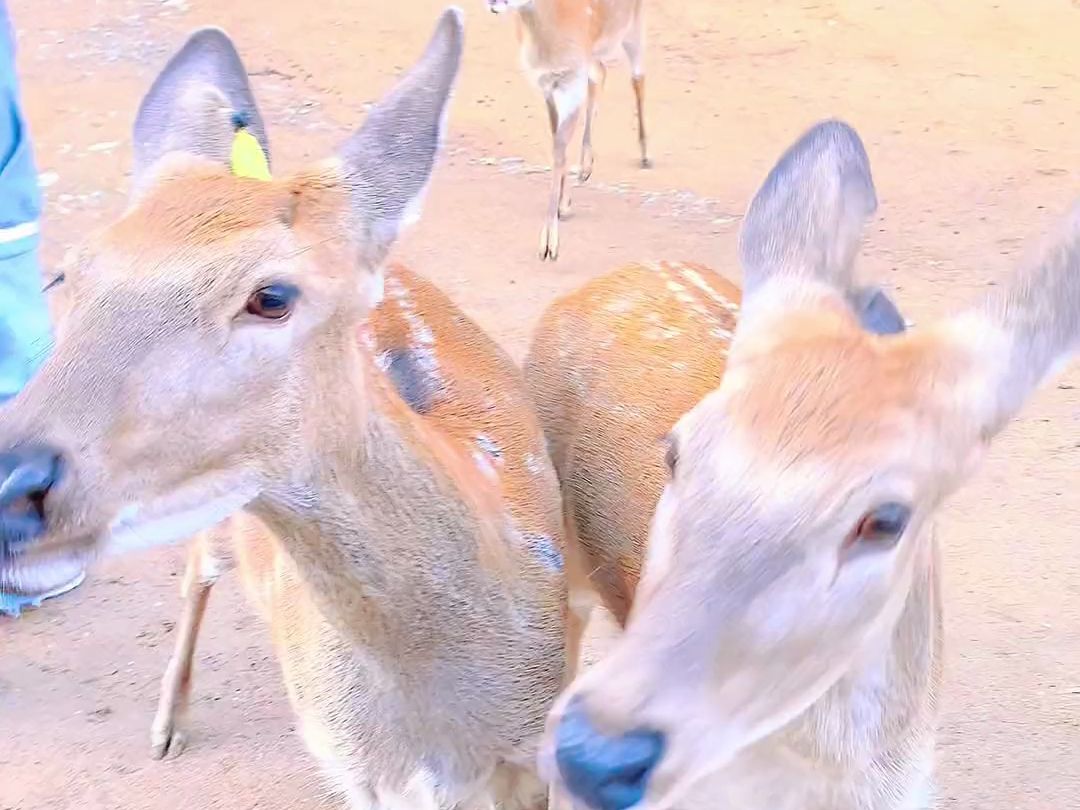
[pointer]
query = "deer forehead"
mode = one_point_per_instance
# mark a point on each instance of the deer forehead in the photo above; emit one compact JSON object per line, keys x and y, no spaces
{"x":201,"y":216}
{"x":811,"y":419}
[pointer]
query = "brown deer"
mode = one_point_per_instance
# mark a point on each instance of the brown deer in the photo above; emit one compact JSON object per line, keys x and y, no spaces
{"x":566,"y":46}
{"x":401,"y":525}
{"x":785,"y":637}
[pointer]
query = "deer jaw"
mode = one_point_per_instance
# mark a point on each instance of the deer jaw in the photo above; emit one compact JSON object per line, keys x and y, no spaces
{"x":789,"y":561}
{"x":159,"y":352}
{"x":754,"y":601}
{"x":176,"y":394}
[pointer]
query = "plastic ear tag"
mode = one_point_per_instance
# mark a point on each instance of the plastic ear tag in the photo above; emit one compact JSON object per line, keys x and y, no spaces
{"x":247,"y":158}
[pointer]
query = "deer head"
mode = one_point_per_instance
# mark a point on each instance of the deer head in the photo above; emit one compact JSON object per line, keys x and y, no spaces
{"x":209,"y":335}
{"x":786,"y":541}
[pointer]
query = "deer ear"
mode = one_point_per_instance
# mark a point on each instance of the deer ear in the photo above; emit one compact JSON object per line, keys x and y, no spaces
{"x":1023,"y":332}
{"x":805,"y":223}
{"x":195,"y":106}
{"x":388,"y":162}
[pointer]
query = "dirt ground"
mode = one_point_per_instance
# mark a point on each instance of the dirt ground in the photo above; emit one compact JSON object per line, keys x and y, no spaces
{"x":968,"y":112}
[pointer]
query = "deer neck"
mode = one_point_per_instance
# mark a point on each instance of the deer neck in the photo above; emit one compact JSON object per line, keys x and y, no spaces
{"x":873,"y":731}
{"x":537,"y":24}
{"x":402,"y":540}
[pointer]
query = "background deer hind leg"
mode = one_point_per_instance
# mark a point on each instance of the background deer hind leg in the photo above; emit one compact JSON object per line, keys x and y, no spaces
{"x":634,"y":45}
{"x":207,"y":555}
{"x":564,"y":100}
{"x":597,"y":76}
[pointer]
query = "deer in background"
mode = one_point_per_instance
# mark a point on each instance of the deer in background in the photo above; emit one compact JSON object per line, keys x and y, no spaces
{"x":565,"y":48}
{"x":383,"y":478}
{"x":783,"y":632}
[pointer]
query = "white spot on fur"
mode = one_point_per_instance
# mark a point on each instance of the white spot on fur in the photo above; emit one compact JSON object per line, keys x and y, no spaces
{"x":490,"y":447}
{"x":569,"y":95}
{"x":374,"y":288}
{"x":695,"y":278}
{"x":661,"y":333}
{"x":618,"y":305}
{"x":483,"y":463}
{"x":533,"y":463}
{"x":422,"y":339}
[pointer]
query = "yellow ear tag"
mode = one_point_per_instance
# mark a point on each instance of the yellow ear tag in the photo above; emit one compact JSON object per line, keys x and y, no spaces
{"x":247,"y":158}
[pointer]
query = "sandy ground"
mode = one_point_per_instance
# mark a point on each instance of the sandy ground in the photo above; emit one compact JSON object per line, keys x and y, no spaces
{"x":968,"y":113}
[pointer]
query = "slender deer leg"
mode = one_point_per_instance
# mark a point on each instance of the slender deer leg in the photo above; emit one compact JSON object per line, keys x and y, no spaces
{"x":581,"y":599}
{"x":564,"y":109}
{"x":168,"y":735}
{"x":596,"y":86}
{"x":635,"y":51}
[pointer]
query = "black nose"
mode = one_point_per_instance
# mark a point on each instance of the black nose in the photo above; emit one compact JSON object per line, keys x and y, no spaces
{"x":607,"y":773}
{"x":26,"y":476}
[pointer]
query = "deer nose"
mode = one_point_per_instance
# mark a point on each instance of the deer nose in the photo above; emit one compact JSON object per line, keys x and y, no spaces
{"x":606,"y":773}
{"x":26,"y":476}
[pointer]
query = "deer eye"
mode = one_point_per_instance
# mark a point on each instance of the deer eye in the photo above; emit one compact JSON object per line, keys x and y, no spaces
{"x":273,"y":302}
{"x":671,"y":455}
{"x":882,"y":527}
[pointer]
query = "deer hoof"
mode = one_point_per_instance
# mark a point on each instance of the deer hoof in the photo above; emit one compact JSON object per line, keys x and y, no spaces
{"x":646,"y":163}
{"x":167,"y":743}
{"x":549,"y":242}
{"x":586,"y":169}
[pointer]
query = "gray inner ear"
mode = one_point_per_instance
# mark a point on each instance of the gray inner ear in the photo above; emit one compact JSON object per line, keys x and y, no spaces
{"x":806,"y":220}
{"x":877,"y":312}
{"x":196,"y":103}
{"x":389,"y":160}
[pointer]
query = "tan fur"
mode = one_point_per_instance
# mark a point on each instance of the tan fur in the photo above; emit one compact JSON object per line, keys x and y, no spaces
{"x":614,"y":366}
{"x":345,"y":718}
{"x":782,"y":641}
{"x":600,"y":359}
{"x":408,"y":560}
{"x":566,"y":46}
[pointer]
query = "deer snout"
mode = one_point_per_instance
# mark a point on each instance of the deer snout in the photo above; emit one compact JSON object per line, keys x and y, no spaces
{"x":27,"y":474}
{"x":605,"y":772}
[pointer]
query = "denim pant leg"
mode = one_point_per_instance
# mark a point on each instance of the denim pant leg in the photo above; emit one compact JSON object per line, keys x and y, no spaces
{"x":24,"y":316}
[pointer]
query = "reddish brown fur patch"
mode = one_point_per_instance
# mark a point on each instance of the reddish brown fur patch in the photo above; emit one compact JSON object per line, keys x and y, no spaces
{"x":613,"y":366}
{"x":824,"y":386}
{"x":481,"y":402}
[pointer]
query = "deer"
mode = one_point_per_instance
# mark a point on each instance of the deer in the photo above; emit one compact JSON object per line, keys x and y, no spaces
{"x":566,"y":47}
{"x":750,"y":477}
{"x":236,"y":362}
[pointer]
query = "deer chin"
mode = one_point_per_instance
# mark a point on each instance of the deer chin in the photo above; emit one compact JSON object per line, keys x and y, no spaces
{"x":34,"y":572}
{"x":176,"y":517}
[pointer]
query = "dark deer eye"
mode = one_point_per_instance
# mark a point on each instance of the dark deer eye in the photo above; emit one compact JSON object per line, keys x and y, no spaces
{"x":671,"y":455}
{"x":273,"y":302}
{"x":882,"y":526}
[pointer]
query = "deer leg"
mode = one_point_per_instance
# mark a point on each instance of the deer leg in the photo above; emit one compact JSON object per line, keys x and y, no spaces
{"x":564,"y":109}
{"x":168,"y":734}
{"x":581,"y":599}
{"x":635,"y":51}
{"x":596,"y":85}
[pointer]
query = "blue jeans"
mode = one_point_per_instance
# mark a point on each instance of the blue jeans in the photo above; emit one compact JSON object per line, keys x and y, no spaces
{"x":25,"y":336}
